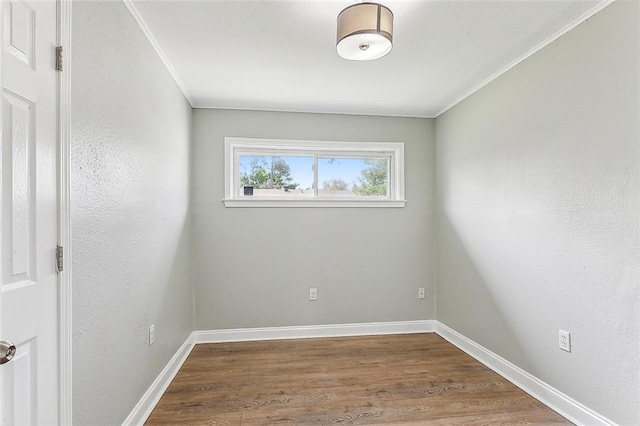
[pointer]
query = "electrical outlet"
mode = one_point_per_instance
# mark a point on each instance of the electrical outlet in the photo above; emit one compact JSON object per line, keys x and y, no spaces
{"x":421,"y":293}
{"x":152,"y":334}
{"x":313,"y":294}
{"x":564,"y":340}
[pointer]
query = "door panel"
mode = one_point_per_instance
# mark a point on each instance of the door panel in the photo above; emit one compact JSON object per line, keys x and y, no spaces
{"x":18,"y":124}
{"x":20,"y":23}
{"x":29,"y":233}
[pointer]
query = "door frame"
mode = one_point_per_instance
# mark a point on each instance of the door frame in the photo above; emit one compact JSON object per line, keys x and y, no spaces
{"x":65,"y":413}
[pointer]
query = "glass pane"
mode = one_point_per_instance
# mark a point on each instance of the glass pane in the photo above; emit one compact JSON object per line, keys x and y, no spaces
{"x":276,"y":176}
{"x":353,"y":177}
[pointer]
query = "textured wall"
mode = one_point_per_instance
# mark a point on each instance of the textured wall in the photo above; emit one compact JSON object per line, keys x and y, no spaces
{"x":254,"y":266}
{"x":130,"y":196}
{"x":538,"y":194}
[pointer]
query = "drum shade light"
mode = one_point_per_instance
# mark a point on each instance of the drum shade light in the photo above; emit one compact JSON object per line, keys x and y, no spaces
{"x":365,"y":32}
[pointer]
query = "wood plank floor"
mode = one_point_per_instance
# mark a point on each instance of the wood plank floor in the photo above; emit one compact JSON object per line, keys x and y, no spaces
{"x":411,"y":379}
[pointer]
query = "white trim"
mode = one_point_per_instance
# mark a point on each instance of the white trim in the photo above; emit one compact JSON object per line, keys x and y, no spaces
{"x":288,"y":202}
{"x":543,"y":392}
{"x":553,"y":37}
{"x":147,"y":32}
{"x":65,"y":337}
{"x":314,"y":111}
{"x":313,"y":331}
{"x":147,"y":403}
{"x":234,"y":147}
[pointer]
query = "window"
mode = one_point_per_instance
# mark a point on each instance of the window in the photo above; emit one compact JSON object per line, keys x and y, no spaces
{"x":285,"y":173}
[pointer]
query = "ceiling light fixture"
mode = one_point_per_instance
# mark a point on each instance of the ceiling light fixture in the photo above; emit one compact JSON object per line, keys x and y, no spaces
{"x":365,"y":32}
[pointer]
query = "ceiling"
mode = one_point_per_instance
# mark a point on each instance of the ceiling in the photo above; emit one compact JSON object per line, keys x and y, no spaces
{"x":281,"y":55}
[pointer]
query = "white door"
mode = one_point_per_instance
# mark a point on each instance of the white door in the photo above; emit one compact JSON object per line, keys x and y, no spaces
{"x":29,"y":227}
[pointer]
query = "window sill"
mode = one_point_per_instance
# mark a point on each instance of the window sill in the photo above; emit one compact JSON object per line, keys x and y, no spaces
{"x":315,"y":203}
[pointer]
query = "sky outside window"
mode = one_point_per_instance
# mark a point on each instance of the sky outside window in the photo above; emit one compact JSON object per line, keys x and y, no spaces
{"x":336,"y":176}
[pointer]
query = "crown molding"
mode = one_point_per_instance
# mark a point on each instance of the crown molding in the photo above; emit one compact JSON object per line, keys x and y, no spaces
{"x":571,"y":25}
{"x":147,"y":32}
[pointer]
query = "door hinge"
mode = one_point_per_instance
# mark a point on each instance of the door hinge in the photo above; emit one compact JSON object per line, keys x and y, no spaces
{"x":59,"y":58}
{"x":59,"y":259}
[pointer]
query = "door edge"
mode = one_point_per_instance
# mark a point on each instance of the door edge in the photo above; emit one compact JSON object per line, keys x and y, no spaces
{"x":65,"y":413}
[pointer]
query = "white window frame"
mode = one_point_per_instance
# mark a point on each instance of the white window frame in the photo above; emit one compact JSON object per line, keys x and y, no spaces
{"x":234,"y":147}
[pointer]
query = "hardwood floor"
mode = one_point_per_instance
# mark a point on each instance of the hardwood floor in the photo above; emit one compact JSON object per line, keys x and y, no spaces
{"x":411,"y":379}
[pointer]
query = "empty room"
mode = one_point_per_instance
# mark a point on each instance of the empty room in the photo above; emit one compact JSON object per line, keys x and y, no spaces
{"x":320,"y":212}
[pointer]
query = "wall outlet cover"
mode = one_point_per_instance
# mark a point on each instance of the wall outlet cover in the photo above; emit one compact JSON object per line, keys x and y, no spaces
{"x":564,"y":340}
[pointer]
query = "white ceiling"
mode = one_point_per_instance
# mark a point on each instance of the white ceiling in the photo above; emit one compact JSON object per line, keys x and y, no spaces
{"x":281,"y":56}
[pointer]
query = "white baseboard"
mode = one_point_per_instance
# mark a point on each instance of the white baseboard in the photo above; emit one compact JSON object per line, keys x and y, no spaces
{"x":311,"y":331}
{"x":147,"y":403}
{"x":551,"y":397}
{"x":548,"y":395}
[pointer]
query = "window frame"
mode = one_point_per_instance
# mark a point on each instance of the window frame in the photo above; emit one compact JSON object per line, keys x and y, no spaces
{"x":236,"y":146}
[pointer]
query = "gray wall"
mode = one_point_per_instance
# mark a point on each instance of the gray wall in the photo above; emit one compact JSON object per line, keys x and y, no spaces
{"x":254,"y":266}
{"x":538,"y":195}
{"x":130,"y":197}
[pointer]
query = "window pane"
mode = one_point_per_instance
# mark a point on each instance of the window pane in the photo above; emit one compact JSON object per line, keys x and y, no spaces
{"x":276,"y":176}
{"x":353,"y":177}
